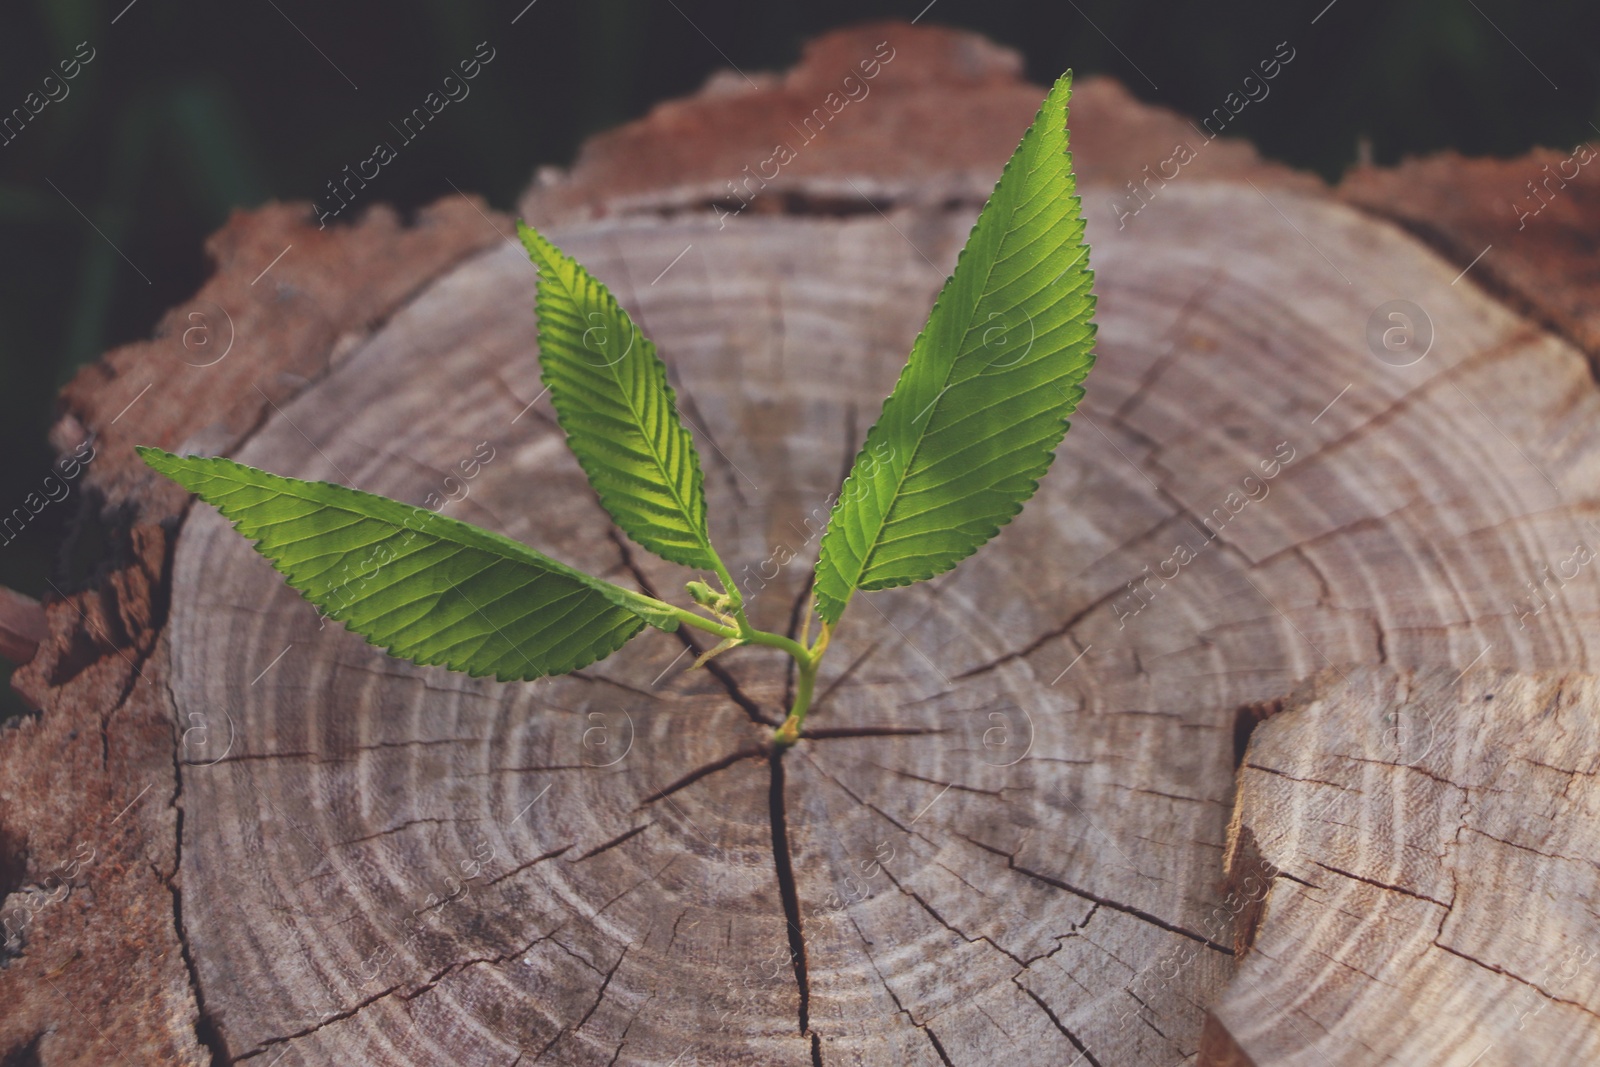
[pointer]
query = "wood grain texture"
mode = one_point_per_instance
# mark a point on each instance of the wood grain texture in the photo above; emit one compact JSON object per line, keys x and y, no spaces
{"x":1529,"y":226}
{"x":1434,"y":890}
{"x":89,"y":789}
{"x":947,"y":905}
{"x":1012,"y":833}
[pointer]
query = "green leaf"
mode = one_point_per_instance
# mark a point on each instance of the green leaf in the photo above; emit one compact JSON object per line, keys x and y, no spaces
{"x":612,"y":398}
{"x":982,"y":403}
{"x":425,"y":587}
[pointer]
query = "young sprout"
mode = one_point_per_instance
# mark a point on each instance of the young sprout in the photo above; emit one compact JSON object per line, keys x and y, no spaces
{"x":970,"y":428}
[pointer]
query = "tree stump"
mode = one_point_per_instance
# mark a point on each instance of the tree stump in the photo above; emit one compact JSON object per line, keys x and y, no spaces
{"x":1256,"y":739}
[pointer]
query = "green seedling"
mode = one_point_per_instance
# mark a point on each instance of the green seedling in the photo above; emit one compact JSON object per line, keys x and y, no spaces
{"x":970,"y":428}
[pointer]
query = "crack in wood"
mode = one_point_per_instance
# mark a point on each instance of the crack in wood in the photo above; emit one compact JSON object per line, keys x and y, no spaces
{"x":890,"y":819}
{"x":316,"y":759}
{"x":788,"y":891}
{"x":827,"y":733}
{"x":1516,"y":340}
{"x":604,"y":984}
{"x":564,"y":947}
{"x":207,"y":1031}
{"x":652,"y":877}
{"x":897,"y":772}
{"x":1077,"y":1042}
{"x":519,"y":868}
{"x":1148,"y":1015}
{"x":938,"y":1046}
{"x":327,"y":1020}
{"x":1497,"y":969}
{"x":614,"y":842}
{"x":1381,"y":885}
{"x":900,"y":1008}
{"x":1159,"y":366}
{"x":426,"y":985}
{"x":1304,"y":781}
{"x":1114,"y":905}
{"x":406,"y":825}
{"x":587,"y":674}
{"x":744,"y":753}
{"x":942,"y":921}
{"x":1061,"y":630}
{"x":622,"y":1042}
{"x":1162,"y":794}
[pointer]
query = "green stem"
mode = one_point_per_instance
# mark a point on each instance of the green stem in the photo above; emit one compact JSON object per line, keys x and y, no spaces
{"x":736,"y":608}
{"x":806,"y":661}
{"x":801,"y":654}
{"x":789,"y":732}
{"x":699,"y":622}
{"x":746,"y":633}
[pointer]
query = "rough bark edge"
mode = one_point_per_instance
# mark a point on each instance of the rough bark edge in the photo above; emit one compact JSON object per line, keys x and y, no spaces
{"x":1466,"y":209}
{"x":713,"y":152}
{"x":103,"y":661}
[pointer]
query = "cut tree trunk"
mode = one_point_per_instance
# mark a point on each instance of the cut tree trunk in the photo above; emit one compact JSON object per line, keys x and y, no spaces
{"x":1256,"y":739}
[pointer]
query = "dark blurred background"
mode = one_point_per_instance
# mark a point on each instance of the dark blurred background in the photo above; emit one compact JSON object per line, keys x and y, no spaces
{"x":189,"y":110}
